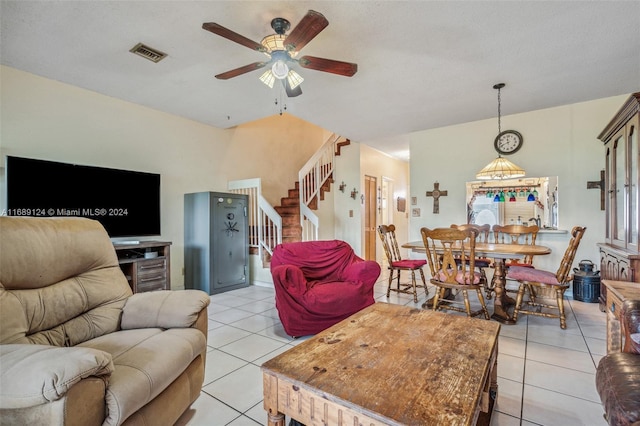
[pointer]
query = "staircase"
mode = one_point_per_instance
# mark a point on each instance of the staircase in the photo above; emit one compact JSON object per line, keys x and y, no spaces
{"x":287,"y":222}
{"x":289,"y":210}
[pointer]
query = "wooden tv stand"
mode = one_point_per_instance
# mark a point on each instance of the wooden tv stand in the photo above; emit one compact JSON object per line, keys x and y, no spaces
{"x":145,"y":273}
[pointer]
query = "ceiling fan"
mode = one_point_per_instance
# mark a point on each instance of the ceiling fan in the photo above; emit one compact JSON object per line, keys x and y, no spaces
{"x":282,"y":50}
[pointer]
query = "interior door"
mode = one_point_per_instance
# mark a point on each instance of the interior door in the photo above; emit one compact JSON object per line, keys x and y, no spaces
{"x":370,"y":207}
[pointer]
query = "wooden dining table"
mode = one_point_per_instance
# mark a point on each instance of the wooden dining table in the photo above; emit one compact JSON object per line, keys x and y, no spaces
{"x":499,"y":253}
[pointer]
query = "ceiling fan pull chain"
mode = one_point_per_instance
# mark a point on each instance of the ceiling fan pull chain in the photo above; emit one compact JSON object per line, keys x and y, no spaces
{"x":283,"y":105}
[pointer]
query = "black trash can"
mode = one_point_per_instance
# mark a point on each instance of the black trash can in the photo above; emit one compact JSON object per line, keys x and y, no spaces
{"x":586,"y":282}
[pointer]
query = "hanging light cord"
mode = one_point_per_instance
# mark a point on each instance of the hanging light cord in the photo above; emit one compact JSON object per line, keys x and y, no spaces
{"x":499,"y":127}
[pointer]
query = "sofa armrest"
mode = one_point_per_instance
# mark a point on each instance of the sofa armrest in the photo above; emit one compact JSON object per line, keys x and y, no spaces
{"x":364,"y":271}
{"x":631,"y":326}
{"x":37,"y":374}
{"x":163,"y":309}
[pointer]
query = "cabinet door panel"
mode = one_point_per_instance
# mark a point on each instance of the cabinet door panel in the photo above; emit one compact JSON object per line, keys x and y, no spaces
{"x":624,"y":271}
{"x":619,"y":190}
{"x":608,"y":172}
{"x":632,"y":138}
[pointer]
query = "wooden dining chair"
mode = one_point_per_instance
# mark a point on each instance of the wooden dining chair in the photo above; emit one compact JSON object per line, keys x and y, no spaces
{"x":481,"y":263}
{"x":532,"y":279}
{"x":515,"y":234}
{"x":450,"y":271}
{"x":397,"y":264}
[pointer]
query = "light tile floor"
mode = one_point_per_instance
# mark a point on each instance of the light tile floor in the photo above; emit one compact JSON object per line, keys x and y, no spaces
{"x":546,"y":375}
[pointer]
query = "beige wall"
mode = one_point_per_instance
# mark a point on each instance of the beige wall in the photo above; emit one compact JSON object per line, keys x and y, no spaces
{"x":48,"y":120}
{"x":374,"y":163}
{"x":558,"y":141}
{"x":355,"y":161}
{"x":261,"y":148}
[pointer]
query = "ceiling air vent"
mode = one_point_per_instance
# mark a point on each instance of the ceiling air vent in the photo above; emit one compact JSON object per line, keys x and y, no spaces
{"x":148,"y":53}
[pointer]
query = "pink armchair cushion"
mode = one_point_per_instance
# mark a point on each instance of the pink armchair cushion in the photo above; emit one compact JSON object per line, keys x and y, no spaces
{"x":409,"y":263}
{"x":320,"y":283}
{"x":461,"y":277}
{"x":523,"y":273}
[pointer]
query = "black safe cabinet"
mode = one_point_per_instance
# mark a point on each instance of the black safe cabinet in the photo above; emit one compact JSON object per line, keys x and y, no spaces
{"x":216,"y":241}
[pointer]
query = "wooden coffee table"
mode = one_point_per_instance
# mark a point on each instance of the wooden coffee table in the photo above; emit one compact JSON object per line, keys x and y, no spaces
{"x":391,"y":365}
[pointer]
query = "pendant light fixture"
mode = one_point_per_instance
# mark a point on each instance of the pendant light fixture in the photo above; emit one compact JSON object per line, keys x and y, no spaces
{"x":501,"y":168}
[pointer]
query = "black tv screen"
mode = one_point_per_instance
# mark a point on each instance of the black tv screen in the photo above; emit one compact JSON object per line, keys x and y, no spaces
{"x":126,"y":202}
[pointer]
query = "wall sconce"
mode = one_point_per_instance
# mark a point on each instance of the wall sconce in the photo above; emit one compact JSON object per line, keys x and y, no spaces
{"x":342,"y":186}
{"x":354,"y":193}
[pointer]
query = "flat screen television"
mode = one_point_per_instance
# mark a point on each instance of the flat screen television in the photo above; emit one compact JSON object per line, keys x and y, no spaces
{"x":126,"y":202}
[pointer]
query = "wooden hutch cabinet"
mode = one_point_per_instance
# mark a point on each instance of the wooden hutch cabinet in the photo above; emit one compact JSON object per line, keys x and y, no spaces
{"x":620,"y":253}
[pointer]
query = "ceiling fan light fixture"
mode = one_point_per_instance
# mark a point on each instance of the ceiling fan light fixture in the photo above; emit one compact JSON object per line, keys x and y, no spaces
{"x":268,"y":78}
{"x":294,"y":79}
{"x":273,"y":42}
{"x":280,"y":69}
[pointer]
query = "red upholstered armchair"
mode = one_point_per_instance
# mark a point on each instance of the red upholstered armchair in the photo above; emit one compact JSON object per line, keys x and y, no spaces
{"x":320,"y":283}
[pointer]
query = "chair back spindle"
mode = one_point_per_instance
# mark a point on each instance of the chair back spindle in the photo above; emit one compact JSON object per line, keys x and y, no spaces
{"x":483,"y":233}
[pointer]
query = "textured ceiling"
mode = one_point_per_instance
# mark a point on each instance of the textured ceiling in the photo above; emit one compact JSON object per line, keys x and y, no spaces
{"x":421,"y":64}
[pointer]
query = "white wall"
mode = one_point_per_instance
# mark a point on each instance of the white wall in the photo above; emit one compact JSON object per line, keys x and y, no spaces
{"x":558,"y":141}
{"x":347,"y":211}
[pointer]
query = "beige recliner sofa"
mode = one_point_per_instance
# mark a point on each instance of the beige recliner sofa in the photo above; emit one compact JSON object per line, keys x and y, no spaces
{"x":76,"y":347}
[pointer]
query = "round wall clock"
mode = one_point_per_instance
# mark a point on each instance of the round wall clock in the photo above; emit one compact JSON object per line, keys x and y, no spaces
{"x":508,"y":142}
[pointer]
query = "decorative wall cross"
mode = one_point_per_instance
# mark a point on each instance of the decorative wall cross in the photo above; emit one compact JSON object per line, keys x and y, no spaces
{"x":598,"y":184}
{"x":436,"y":194}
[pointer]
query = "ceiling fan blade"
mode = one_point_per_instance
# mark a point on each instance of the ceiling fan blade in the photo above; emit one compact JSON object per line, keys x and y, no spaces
{"x":239,"y":71}
{"x":346,"y":69}
{"x":292,"y":93}
{"x":233,"y":36}
{"x":309,"y":27}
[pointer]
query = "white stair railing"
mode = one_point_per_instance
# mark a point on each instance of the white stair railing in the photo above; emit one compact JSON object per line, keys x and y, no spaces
{"x":265,"y":224}
{"x":311,"y":177}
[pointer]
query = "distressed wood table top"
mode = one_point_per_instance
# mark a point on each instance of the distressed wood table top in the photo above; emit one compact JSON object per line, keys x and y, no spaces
{"x":495,"y":250}
{"x":393,"y":364}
